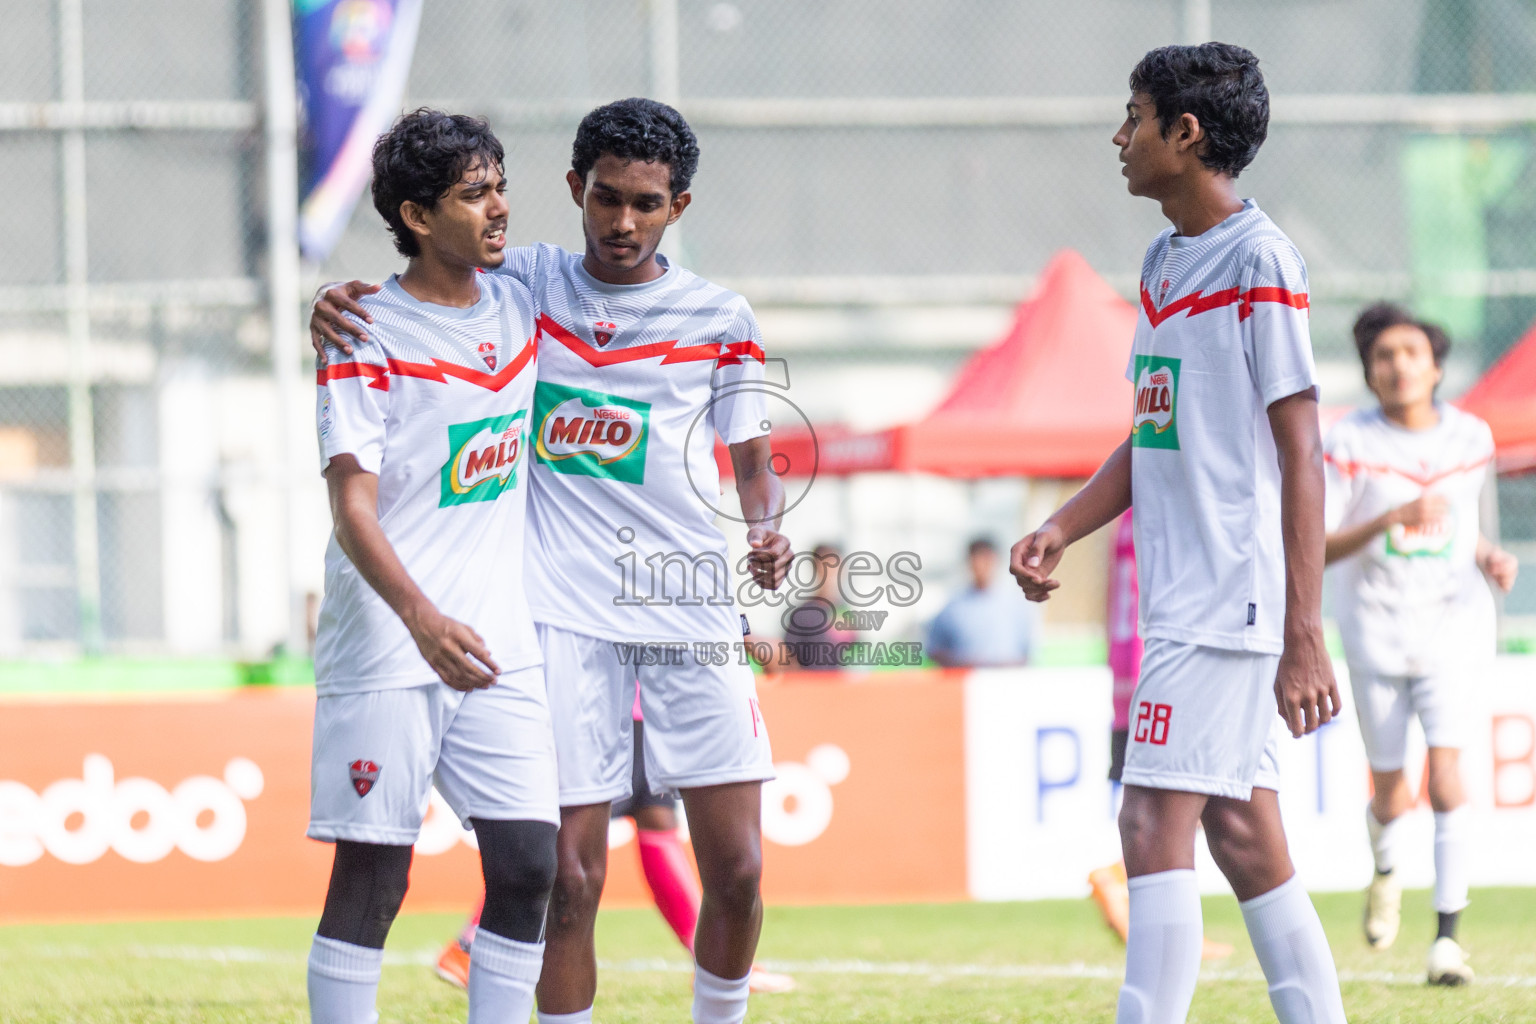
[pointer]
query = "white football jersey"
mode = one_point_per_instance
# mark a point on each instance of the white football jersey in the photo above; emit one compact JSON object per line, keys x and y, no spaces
{"x":438,"y":406}
{"x":635,"y":383}
{"x":1410,"y":595}
{"x":1222,"y":335}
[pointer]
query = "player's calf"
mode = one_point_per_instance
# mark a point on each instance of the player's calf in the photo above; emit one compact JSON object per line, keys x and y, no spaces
{"x":1247,"y":842}
{"x":568,"y":983}
{"x":518,"y":861}
{"x":368,"y":884}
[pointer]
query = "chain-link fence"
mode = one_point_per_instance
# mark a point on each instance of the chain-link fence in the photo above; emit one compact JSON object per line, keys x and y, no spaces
{"x":863,"y":164}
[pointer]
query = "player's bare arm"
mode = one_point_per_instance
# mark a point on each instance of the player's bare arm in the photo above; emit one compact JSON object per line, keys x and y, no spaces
{"x":450,"y":647}
{"x":1426,"y":508}
{"x":1497,"y":564}
{"x":762,"y":506}
{"x":1106,"y":495}
{"x":326,"y":323}
{"x":1305,"y":690}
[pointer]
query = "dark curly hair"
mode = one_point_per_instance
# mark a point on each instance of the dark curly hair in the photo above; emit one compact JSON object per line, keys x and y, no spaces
{"x":638,"y":129}
{"x":1377,"y":318}
{"x":423,"y":156}
{"x":1220,"y":84}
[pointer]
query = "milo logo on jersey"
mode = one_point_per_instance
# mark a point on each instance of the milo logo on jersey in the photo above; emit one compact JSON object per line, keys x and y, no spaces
{"x":591,"y":434}
{"x":1427,"y":540}
{"x":1156,"y":423}
{"x":483,"y":458}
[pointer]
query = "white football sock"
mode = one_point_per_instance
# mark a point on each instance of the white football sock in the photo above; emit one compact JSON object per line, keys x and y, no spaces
{"x":579,"y":1017}
{"x":1288,"y":939}
{"x":1451,"y":861}
{"x":343,"y":982}
{"x":502,"y":974}
{"x":1383,"y":840}
{"x":719,"y":1000}
{"x":1162,"y":949}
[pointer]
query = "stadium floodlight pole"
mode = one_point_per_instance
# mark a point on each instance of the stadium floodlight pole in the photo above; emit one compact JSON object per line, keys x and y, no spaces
{"x":1196,"y":26}
{"x":82,"y":427}
{"x":283,"y":287}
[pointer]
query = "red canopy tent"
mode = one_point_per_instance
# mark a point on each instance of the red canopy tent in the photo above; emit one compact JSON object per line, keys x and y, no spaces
{"x":1049,"y":398}
{"x":1505,"y":397}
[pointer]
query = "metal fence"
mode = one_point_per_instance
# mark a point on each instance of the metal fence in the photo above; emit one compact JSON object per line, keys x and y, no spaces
{"x":869,"y":170}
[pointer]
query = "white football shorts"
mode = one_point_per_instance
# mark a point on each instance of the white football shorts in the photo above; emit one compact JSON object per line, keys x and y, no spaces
{"x":1203,"y":720}
{"x":377,"y":754}
{"x":1386,"y":704}
{"x":703,"y":726}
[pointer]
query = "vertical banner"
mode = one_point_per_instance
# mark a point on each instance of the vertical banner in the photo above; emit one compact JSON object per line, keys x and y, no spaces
{"x":351,"y":59}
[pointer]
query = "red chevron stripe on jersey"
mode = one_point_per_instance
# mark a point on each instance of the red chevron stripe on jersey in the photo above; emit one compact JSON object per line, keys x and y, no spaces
{"x":728,"y":354}
{"x":1349,"y":468}
{"x":438,"y":370}
{"x":1196,"y":303}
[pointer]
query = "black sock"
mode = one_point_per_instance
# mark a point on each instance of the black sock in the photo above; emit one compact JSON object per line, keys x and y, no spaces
{"x":1448,"y":923}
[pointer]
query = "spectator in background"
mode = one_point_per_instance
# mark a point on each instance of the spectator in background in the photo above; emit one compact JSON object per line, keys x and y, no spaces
{"x":813,"y":640}
{"x":986,"y":624}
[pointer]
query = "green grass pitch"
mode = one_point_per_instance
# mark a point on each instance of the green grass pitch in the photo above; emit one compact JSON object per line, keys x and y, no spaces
{"x":1013,"y":962}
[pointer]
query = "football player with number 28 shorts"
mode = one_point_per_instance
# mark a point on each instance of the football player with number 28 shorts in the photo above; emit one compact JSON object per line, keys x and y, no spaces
{"x":1225,"y":465}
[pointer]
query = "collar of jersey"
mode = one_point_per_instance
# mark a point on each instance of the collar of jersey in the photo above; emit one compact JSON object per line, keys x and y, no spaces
{"x":398,"y":292}
{"x":1186,"y":243}
{"x":669,"y":274}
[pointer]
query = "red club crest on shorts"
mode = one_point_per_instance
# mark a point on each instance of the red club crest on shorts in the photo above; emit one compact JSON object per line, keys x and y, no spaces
{"x":364,"y":774}
{"x":603,"y":331}
{"x":487,"y":352}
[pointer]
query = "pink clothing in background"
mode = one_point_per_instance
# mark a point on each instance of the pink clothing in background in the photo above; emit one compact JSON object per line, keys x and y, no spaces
{"x":636,"y":714}
{"x":1120,"y":619}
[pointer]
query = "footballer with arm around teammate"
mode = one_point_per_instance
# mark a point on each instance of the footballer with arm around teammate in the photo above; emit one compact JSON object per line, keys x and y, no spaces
{"x":642,"y":364}
{"x":427,"y":664}
{"x":1225,"y":463}
{"x":1404,"y":483}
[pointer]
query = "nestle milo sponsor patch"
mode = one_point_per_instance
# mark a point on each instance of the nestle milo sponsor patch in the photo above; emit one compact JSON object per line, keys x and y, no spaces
{"x":590,"y":433}
{"x":1433,"y":539}
{"x":483,"y":456}
{"x":1156,"y":422}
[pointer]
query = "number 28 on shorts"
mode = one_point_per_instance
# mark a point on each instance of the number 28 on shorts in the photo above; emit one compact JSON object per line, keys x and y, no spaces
{"x":1152,"y":723}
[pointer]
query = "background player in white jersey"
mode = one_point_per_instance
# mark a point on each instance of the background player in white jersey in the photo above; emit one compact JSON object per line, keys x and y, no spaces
{"x":1225,"y":463}
{"x":641,"y":365}
{"x":1404,"y":484}
{"x":426,"y":661}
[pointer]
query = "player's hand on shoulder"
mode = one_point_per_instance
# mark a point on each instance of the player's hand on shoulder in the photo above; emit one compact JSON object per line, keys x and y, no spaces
{"x":1305,"y":690}
{"x":1501,"y":567}
{"x":1033,"y":559}
{"x":769,"y":559}
{"x":1427,"y":508}
{"x":456,"y":653}
{"x":326,"y":324}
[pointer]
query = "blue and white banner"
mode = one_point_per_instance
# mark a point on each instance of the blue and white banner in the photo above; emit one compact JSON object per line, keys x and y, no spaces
{"x":351,"y":58}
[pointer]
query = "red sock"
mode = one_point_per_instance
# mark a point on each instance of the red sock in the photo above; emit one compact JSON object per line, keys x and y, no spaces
{"x":673,"y":885}
{"x":467,"y":933}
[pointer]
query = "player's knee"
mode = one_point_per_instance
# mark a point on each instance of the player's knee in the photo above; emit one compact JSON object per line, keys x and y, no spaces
{"x":578,"y":886}
{"x":1231,"y":844}
{"x":1138,"y":828}
{"x":734,"y":882}
{"x":519,"y":862}
{"x":368,"y":884}
{"x":517,"y":856}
